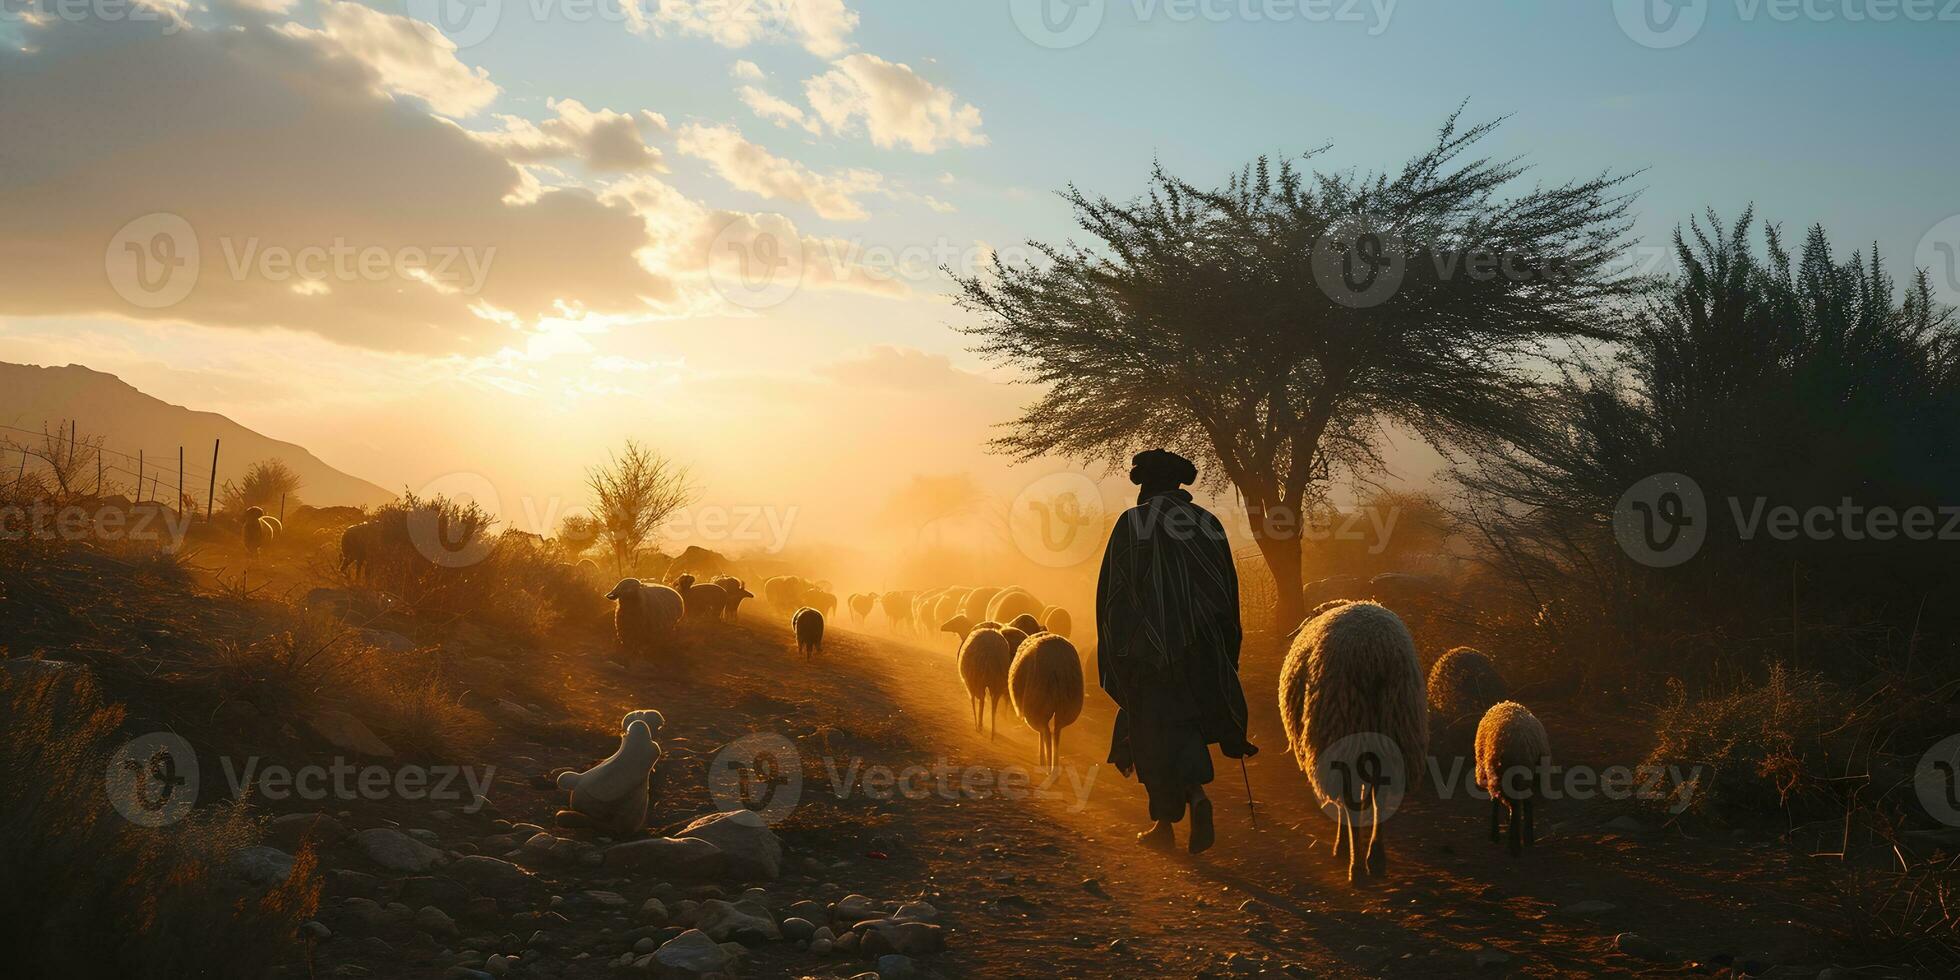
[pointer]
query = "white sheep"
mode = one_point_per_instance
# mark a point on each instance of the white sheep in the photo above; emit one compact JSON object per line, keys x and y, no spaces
{"x":1513,"y":752}
{"x":1012,"y":602}
{"x":259,"y":530}
{"x":1463,"y":684}
{"x":1351,"y":700}
{"x":1056,"y":620}
{"x":1045,"y":683}
{"x":808,"y":626}
{"x":985,"y":660}
{"x":612,"y":796}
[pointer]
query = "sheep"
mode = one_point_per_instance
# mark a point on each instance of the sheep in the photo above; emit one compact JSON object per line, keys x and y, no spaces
{"x":1026,"y":624}
{"x":360,"y":544}
{"x":587,"y":567}
{"x":1513,"y":752}
{"x":1463,"y":684}
{"x":1014,"y":636}
{"x":923,"y":604}
{"x":1056,"y":620}
{"x":985,"y":660}
{"x":1013,"y":602}
{"x":259,"y":530}
{"x":702,"y":601}
{"x":975,"y":607}
{"x":898,"y":609}
{"x":1045,"y":683}
{"x":612,"y":796}
{"x":820,"y":600}
{"x":947,"y":606}
{"x":735,"y":592}
{"x":861,"y":604}
{"x":644,"y":615}
{"x":782,"y":591}
{"x":808,"y":625}
{"x":961,"y":628}
{"x":1351,"y":700}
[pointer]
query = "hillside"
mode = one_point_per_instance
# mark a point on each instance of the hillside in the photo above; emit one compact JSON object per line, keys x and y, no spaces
{"x":105,"y":405}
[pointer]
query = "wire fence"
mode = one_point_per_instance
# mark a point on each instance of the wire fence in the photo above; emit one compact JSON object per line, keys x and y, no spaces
{"x":147,"y":477}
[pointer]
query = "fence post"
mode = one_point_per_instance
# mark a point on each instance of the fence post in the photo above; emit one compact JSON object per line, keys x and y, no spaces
{"x":282,"y":508}
{"x":211,"y":495}
{"x":181,"y":495}
{"x":139,"y":476}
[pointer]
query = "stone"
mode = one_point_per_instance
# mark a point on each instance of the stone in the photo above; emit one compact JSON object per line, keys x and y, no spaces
{"x":347,"y":733}
{"x":669,"y":857}
{"x":435,"y":921}
{"x":397,"y":851}
{"x":823,"y":933}
{"x":742,"y":922}
{"x":606,"y":899}
{"x":854,"y":907}
{"x":1640,"y":947}
{"x":900,"y":936}
{"x":692,"y":954}
{"x":263,"y":866}
{"x":814,"y":911}
{"x":443,"y":893}
{"x":893,"y":966}
{"x":921,"y":911}
{"x":821,"y":947}
{"x":315,"y":929}
{"x":654,"y":910}
{"x":752,"y":849}
{"x":290,"y":830}
{"x":491,"y":876}
{"x":795,"y":929}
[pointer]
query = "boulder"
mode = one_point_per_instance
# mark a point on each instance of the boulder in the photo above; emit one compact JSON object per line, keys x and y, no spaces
{"x":752,"y":849}
{"x":491,"y":876}
{"x":742,"y":922}
{"x":397,"y":851}
{"x":263,"y":866}
{"x":669,"y":857}
{"x":693,"y":954}
{"x":900,"y":936}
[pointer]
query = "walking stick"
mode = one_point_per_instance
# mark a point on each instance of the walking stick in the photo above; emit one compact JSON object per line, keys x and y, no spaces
{"x":1254,"y":814}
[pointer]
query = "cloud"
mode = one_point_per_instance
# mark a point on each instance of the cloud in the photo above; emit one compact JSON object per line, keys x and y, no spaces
{"x":903,"y":368}
{"x":606,"y":141}
{"x":266,"y":144}
{"x":749,"y":167}
{"x":775,"y":109}
{"x":408,"y":57}
{"x":894,"y":105}
{"x":746,"y":70}
{"x":822,"y":27}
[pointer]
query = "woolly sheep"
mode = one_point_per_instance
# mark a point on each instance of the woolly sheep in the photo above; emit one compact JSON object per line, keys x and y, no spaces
{"x":985,"y":660}
{"x":1463,"y":684}
{"x":1056,"y":620}
{"x":259,"y":530}
{"x":947,"y":606}
{"x":862,"y":603}
{"x":612,"y":796}
{"x":644,"y":615}
{"x":1512,"y":753}
{"x":808,"y":625}
{"x":1045,"y":683}
{"x":1014,"y":602}
{"x":783,"y":591}
{"x":961,"y":628}
{"x":1350,"y":694}
{"x":820,"y":600}
{"x":1014,"y":636}
{"x":1026,"y":624}
{"x":360,"y":544}
{"x":975,"y":606}
{"x":735,"y":592}
{"x":898,"y":608}
{"x":922,"y":606}
{"x":682,"y":583}
{"x":702,"y":601}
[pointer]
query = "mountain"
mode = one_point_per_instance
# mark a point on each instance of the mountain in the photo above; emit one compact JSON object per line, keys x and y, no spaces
{"x":33,"y":397}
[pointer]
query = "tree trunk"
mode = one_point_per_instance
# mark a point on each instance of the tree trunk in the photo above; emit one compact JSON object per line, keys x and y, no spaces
{"x":1279,"y":545}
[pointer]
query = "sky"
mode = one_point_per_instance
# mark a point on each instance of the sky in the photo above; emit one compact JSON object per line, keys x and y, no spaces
{"x":475,"y":244}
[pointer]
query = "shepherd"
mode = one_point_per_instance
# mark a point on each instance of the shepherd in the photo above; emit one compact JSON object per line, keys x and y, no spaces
{"x":1167,"y":622}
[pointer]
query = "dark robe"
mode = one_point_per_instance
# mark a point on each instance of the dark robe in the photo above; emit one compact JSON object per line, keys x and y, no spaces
{"x":1168,"y":635}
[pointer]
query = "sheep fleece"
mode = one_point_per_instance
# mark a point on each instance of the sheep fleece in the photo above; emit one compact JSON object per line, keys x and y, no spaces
{"x":1509,"y":736}
{"x":1353,"y":669}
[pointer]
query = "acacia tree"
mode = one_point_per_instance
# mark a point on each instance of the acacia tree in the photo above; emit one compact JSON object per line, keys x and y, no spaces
{"x":633,"y":493}
{"x":265,"y":483}
{"x":1274,"y":328}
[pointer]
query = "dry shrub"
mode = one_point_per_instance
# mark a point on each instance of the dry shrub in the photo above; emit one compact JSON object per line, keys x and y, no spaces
{"x":1761,"y":747}
{"x":90,"y":894}
{"x":1910,"y":916}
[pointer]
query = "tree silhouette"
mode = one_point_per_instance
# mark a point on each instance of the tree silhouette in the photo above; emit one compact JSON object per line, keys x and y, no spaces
{"x":1275,"y":328}
{"x":633,"y":493}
